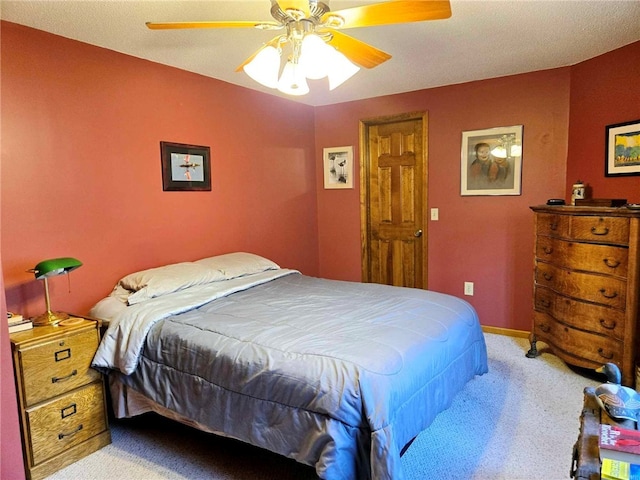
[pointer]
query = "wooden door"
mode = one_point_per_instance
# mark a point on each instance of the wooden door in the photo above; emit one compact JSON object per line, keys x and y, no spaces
{"x":393,"y":186}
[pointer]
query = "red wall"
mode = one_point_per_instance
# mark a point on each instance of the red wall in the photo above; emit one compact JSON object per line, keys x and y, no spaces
{"x":604,"y":91}
{"x":485,"y":240}
{"x":81,"y":176}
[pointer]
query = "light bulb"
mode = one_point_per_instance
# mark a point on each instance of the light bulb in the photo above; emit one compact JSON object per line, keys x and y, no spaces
{"x":315,"y":57}
{"x":340,"y":70}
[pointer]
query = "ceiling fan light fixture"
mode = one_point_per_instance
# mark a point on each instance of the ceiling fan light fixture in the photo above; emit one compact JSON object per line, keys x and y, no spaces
{"x":264,"y":67}
{"x":292,"y":81}
{"x":341,"y":70}
{"x":315,"y":57}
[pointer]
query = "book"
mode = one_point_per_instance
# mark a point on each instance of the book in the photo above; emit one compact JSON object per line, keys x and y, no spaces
{"x":13,"y":318}
{"x":618,"y":443}
{"x":19,"y":327}
{"x":618,"y":470}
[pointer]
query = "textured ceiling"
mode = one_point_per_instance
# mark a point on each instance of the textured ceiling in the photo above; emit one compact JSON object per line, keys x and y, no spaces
{"x":482,"y":39}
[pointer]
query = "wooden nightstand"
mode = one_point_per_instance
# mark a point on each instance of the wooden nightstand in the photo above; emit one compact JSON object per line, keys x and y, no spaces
{"x":61,"y":399}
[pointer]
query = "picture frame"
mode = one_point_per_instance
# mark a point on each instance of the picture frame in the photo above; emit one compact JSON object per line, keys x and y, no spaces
{"x":185,"y":167}
{"x":338,"y":167}
{"x":491,"y":161}
{"x":622,"y":149}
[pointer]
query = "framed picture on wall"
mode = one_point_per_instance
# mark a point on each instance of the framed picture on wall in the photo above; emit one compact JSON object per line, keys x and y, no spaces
{"x":338,"y":167}
{"x":185,"y":167}
{"x":623,"y":149}
{"x":491,"y":161}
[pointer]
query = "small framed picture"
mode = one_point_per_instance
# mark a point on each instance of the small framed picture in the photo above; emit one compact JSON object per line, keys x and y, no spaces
{"x":185,"y":167}
{"x":338,"y":167}
{"x":623,"y":149}
{"x":491,"y":161}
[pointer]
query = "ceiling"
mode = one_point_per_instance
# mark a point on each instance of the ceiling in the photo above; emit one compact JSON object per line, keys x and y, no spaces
{"x":482,"y":39}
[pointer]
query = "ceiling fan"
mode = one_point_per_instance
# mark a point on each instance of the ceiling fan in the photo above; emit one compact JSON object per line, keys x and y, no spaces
{"x":318,"y":48}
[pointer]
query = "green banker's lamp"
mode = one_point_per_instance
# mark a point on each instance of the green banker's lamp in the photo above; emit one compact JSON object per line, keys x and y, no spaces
{"x":52,"y":268}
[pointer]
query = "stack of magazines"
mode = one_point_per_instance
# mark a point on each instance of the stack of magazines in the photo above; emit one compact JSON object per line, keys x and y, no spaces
{"x":17,"y":323}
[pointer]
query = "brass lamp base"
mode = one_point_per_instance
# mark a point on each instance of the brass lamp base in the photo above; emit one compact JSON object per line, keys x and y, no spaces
{"x":50,"y":318}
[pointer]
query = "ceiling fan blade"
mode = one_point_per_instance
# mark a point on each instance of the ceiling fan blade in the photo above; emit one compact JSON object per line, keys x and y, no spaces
{"x":238,"y":24}
{"x":273,"y":43}
{"x":358,"y":52}
{"x":301,"y":5}
{"x":388,"y":13}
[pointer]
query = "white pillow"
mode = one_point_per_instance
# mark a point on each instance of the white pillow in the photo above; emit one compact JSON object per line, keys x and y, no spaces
{"x":238,"y":264}
{"x":148,"y":284}
{"x":107,"y":308}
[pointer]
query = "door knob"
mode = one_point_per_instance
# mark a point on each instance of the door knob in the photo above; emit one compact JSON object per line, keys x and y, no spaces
{"x":417,"y":233}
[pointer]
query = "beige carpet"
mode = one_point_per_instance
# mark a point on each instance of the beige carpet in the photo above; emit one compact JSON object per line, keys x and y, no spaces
{"x":518,"y":422}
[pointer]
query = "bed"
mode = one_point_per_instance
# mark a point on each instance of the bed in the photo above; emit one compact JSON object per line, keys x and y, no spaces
{"x":336,"y":375}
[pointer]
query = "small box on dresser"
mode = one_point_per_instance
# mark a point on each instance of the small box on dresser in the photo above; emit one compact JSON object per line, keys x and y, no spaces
{"x":586,"y":280}
{"x":61,"y":399}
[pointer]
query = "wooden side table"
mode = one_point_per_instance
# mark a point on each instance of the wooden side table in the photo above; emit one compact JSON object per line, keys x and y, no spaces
{"x":61,"y":399}
{"x":586,"y":463}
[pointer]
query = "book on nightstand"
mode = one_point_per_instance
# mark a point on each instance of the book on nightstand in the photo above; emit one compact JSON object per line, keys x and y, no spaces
{"x":14,"y":318}
{"x":619,"y":443}
{"x":619,"y":470}
{"x":20,"y":326}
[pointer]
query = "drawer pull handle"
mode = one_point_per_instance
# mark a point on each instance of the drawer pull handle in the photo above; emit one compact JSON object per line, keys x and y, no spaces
{"x":547,"y":276}
{"x":548,"y":250}
{"x":553,"y":226}
{"x":608,"y":356}
{"x":68,"y":411}
{"x":611,"y":263}
{"x":62,"y":379}
{"x":545,"y":328}
{"x":62,"y":435}
{"x":63,"y":354}
{"x":595,"y":231}
{"x":544,"y":303}
{"x":607,"y":325}
{"x":608,"y":295}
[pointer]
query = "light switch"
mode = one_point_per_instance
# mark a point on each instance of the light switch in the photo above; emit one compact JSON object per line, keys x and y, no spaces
{"x":434,"y":214}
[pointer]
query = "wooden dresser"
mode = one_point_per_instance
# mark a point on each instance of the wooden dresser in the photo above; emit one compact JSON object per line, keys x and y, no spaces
{"x":586,"y":280}
{"x":61,"y":399}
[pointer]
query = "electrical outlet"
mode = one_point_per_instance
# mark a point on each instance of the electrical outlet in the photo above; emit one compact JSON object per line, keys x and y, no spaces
{"x":468,"y":288}
{"x":434,"y":214}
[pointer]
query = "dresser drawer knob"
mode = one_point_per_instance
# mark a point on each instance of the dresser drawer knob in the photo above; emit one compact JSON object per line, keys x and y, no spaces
{"x":62,"y":379}
{"x":611,"y":262}
{"x":545,"y":328}
{"x":543,"y":302}
{"x":547,"y":276}
{"x":548,"y":250}
{"x":63,"y":435}
{"x":604,"y":293}
{"x":608,"y":325}
{"x":607,"y":356}
{"x":553,"y":226}
{"x":596,"y":231}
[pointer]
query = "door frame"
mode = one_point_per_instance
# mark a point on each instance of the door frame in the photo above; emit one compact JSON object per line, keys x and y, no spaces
{"x":365,"y":171}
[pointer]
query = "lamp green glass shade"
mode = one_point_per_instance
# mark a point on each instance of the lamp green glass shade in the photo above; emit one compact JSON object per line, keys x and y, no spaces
{"x":56,"y":266}
{"x":51,"y":268}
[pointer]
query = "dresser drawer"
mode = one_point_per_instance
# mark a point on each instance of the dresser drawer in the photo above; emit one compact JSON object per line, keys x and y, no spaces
{"x":588,"y":346}
{"x":585,"y":316}
{"x":552,"y":225}
{"x":601,"y":289}
{"x":58,"y":366}
{"x":605,"y":259}
{"x":66,"y":421}
{"x":613,"y":230}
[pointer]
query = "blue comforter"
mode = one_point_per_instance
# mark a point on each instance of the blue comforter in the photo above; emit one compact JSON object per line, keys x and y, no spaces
{"x":337,"y":375}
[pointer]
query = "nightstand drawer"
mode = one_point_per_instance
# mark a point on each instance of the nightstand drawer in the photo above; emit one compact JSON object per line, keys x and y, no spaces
{"x":55,"y":367}
{"x":66,"y":421}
